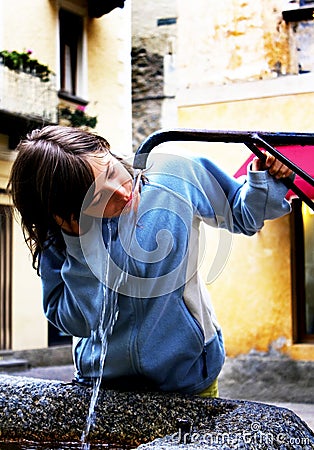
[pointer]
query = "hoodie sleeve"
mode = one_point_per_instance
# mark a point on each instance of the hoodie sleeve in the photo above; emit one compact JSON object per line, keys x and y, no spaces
{"x":221,"y":200}
{"x":73,"y":293}
{"x":260,"y":198}
{"x":244,"y":207}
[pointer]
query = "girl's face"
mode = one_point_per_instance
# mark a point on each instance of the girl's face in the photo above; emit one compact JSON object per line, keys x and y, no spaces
{"x":112,"y":189}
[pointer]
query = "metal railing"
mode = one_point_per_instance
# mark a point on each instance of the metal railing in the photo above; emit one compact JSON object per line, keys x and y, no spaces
{"x":254,"y":140}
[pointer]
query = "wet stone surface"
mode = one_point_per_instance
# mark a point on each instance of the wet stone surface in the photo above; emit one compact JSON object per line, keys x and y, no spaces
{"x":37,"y":409}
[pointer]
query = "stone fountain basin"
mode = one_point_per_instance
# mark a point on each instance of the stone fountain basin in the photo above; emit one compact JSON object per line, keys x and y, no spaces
{"x":47,"y":410}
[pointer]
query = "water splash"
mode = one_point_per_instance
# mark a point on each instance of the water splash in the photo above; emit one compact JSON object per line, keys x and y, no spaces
{"x":110,"y":310}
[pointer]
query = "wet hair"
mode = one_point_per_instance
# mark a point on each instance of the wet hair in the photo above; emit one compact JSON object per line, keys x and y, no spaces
{"x":51,"y":176}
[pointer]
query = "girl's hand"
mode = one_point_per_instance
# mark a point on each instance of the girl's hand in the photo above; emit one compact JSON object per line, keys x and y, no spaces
{"x":276,"y":168}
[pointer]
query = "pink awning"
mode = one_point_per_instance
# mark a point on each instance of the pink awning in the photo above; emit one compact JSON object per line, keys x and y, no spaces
{"x":301,"y":156}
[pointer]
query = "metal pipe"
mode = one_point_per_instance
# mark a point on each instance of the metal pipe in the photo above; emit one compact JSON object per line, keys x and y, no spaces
{"x":252,"y":139}
{"x":286,"y":181}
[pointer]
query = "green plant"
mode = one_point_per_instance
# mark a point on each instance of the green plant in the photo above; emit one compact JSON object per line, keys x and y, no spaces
{"x":22,"y":61}
{"x":78,"y":117}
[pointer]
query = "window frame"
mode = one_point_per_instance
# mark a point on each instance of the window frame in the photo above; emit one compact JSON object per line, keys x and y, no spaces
{"x":6,"y":238}
{"x":72,"y":33}
{"x":298,"y":276}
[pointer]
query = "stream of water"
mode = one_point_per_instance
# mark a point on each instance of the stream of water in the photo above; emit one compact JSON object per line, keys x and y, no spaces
{"x":110,"y":309}
{"x":108,"y":319}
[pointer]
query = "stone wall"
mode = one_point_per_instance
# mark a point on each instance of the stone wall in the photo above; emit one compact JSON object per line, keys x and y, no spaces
{"x":153,"y":38}
{"x":147,"y":93}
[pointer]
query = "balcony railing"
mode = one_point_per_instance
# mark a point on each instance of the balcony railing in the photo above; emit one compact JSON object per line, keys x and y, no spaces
{"x":25,"y":94}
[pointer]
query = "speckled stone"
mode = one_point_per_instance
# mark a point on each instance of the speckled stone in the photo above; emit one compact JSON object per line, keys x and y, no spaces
{"x":36,"y":409}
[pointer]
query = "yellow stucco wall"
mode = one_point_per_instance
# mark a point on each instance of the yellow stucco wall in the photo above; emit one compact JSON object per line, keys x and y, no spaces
{"x":109,"y":81}
{"x":35,"y":23}
{"x":30,"y":328}
{"x":282,"y":113}
{"x":5,"y":167}
{"x":252,"y":295}
{"x":108,"y":44}
{"x":235,"y":41}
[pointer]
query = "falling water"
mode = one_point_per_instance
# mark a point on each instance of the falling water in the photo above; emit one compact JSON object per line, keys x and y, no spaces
{"x":109,"y":313}
{"x":104,"y":330}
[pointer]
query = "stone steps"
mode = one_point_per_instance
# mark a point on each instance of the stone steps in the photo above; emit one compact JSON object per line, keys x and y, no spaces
{"x":8,"y":363}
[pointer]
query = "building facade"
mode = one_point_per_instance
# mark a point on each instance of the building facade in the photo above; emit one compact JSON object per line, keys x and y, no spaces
{"x":154,"y":34}
{"x":239,"y":66}
{"x":250,"y":68}
{"x":69,"y":63}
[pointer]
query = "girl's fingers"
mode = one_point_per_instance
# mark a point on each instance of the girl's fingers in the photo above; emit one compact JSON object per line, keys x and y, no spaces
{"x":275,"y":167}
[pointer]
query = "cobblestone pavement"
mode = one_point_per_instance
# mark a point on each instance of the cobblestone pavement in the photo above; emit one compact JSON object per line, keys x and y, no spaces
{"x":65,"y":373}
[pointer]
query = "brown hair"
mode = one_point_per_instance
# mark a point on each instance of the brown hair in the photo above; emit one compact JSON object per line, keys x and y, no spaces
{"x":51,"y":176}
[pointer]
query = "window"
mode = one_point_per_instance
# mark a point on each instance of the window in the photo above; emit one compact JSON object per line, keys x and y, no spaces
{"x":304,"y":13}
{"x":302,"y":227}
{"x":71,"y":56}
{"x":5,"y":278}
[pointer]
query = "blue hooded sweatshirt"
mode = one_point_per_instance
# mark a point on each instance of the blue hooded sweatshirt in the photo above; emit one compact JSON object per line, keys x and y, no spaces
{"x":128,"y":290}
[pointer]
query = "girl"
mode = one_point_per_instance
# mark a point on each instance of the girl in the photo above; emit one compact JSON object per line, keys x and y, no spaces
{"x":118,"y":258}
